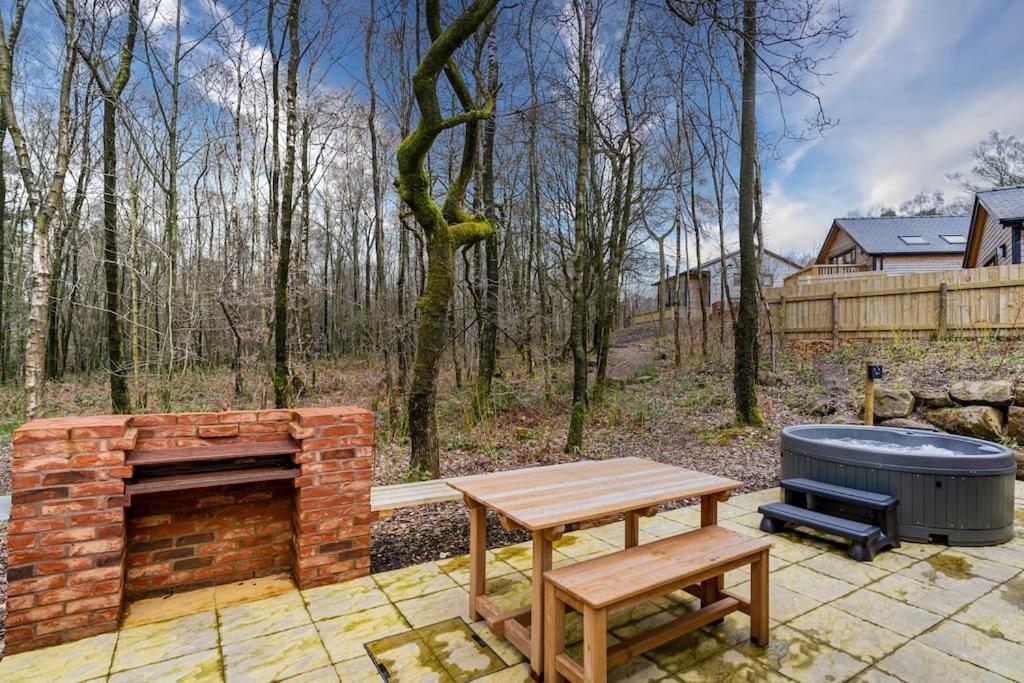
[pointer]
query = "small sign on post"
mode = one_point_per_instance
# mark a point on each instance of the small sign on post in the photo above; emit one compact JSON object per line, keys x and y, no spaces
{"x":874,"y":371}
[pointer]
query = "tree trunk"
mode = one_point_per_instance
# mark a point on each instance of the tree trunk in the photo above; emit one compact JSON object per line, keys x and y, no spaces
{"x":574,"y":438}
{"x":446,"y":228}
{"x":489,"y":311}
{"x":120,"y":402}
{"x":745,"y":371}
{"x":284,"y":394}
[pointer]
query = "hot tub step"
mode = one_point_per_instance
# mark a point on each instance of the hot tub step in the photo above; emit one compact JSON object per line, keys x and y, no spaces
{"x":867,"y":499}
{"x":865,"y":539}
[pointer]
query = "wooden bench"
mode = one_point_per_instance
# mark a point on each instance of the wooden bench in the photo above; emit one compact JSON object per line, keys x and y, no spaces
{"x":695,"y":561}
{"x":386,"y":499}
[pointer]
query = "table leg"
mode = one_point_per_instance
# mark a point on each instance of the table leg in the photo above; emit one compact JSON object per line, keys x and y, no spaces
{"x":712,"y":588}
{"x":477,"y":556}
{"x":542,"y":552}
{"x":632,"y":521}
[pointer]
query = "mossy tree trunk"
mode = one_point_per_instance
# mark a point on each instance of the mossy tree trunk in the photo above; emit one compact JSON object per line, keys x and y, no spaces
{"x":745,"y":371}
{"x":489,"y":324}
{"x":445,"y":228}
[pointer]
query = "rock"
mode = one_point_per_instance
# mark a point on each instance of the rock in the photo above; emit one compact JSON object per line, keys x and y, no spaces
{"x":1015,"y":423}
{"x":1018,"y":393}
{"x":822,"y":407}
{"x":984,"y":422}
{"x":932,"y":398}
{"x":844,"y":420}
{"x":891,"y":403}
{"x":909,"y":423}
{"x":1019,"y":455}
{"x":767,"y":378}
{"x":994,"y":392}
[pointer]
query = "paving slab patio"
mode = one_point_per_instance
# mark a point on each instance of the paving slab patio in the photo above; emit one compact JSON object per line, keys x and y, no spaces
{"x":919,"y":613}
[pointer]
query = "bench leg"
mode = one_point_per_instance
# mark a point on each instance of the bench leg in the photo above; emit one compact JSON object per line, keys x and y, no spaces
{"x":554,"y":633}
{"x":477,"y":557}
{"x":595,"y":645}
{"x":632,"y":521}
{"x":759,"y":599}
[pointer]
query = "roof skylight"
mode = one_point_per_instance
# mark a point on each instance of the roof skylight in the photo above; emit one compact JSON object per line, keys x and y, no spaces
{"x":954,"y":239}
{"x":913,"y":239}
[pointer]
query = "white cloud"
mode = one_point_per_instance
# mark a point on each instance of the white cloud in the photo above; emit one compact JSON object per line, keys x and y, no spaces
{"x":920,"y":83}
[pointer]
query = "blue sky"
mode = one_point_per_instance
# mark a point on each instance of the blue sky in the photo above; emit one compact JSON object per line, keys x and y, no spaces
{"x":914,"y":90}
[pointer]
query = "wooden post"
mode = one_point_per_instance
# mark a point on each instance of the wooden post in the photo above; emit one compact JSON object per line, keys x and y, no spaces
{"x":942,"y":326}
{"x":869,"y":399}
{"x":542,"y":554}
{"x":759,"y":626}
{"x":554,"y":633}
{"x":782,"y":321}
{"x":477,"y":555}
{"x":595,"y":645}
{"x":632,"y":521}
{"x":835,"y":319}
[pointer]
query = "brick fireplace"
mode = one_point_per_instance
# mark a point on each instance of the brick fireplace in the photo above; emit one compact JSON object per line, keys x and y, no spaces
{"x":110,"y":508}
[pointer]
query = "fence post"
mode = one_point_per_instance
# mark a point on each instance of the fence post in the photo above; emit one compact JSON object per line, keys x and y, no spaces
{"x":782,"y":321}
{"x":942,"y":328}
{"x":835,"y":319}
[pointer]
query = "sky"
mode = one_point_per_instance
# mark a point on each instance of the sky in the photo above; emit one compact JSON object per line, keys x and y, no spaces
{"x":913,"y":91}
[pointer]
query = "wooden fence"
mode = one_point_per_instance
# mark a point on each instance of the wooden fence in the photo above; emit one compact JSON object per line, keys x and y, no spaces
{"x":975,"y":302}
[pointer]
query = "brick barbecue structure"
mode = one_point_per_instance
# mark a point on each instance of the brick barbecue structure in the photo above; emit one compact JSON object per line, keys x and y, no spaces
{"x":110,"y":508}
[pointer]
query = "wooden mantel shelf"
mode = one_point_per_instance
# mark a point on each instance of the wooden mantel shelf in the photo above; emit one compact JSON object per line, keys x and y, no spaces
{"x":166,"y":456}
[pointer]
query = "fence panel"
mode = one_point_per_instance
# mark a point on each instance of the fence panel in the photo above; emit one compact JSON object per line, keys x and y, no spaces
{"x":975,"y":302}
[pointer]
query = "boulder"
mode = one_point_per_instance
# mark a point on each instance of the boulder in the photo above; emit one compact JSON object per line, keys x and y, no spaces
{"x":1019,"y":455}
{"x":890,"y":403}
{"x":993,"y":392}
{"x":1018,"y":393}
{"x":932,"y":398}
{"x":984,"y":422}
{"x":1015,"y":423}
{"x":844,"y":420}
{"x":909,"y":423}
{"x":823,"y":407}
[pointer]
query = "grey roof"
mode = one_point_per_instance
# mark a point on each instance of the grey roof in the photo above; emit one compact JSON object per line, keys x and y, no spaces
{"x":1005,"y":203}
{"x":882,"y":235}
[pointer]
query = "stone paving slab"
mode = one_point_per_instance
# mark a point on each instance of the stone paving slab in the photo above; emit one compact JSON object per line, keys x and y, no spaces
{"x":919,"y":613}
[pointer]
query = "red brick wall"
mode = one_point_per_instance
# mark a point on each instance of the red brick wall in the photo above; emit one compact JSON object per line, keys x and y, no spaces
{"x":68,"y":555}
{"x":201,"y":537}
{"x":66,"y":534}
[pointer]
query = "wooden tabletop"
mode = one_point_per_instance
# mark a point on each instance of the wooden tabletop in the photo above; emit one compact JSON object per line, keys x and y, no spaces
{"x":540,"y":498}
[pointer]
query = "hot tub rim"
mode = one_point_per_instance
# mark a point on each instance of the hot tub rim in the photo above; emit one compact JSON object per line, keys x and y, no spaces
{"x":998,"y":463}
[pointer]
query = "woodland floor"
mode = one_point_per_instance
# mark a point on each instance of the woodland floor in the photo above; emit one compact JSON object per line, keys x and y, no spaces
{"x":653,"y":410}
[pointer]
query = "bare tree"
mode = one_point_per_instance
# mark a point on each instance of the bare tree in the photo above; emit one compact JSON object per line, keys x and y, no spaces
{"x":445,"y":228}
{"x":43,"y":199}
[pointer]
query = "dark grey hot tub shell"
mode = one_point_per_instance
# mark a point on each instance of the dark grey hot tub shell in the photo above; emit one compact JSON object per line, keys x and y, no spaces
{"x":963,"y":498}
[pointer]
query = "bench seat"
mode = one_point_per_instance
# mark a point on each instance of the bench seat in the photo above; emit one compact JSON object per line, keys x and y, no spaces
{"x":695,"y":561}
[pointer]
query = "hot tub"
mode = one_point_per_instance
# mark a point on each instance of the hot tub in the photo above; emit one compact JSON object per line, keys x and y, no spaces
{"x":951,"y":489}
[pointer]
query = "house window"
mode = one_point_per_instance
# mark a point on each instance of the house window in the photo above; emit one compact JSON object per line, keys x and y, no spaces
{"x":954,"y":239}
{"x":913,"y":240}
{"x":848,"y":256}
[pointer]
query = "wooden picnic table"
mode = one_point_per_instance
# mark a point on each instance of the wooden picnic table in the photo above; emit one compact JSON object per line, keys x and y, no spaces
{"x":545,"y":500}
